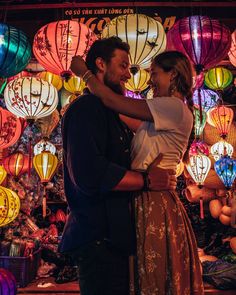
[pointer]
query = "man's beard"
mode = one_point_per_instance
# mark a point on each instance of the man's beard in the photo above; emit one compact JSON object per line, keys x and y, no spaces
{"x":117,"y":88}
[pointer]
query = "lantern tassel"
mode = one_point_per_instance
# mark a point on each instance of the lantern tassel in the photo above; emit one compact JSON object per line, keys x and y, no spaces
{"x":201,"y":208}
{"x":200,"y":104}
{"x":44,"y":205}
{"x":30,"y":155}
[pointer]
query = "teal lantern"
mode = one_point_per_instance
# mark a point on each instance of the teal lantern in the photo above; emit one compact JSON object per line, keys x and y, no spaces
{"x":15,"y":51}
{"x":225,"y":168}
{"x":199,"y":121}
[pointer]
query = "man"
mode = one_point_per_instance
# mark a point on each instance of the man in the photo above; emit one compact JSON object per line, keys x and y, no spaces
{"x":99,"y":231}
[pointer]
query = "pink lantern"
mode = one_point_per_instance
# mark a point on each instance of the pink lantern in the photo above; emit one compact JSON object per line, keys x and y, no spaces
{"x":232,"y":52}
{"x":204,"y":40}
{"x":198,"y":148}
{"x":56,"y":43}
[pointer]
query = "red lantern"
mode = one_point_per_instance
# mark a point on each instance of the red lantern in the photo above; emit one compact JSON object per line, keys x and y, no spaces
{"x":232,"y":52}
{"x":10,"y":128}
{"x":16,"y":164}
{"x":204,"y":40}
{"x":7,"y":282}
{"x":56,"y":43}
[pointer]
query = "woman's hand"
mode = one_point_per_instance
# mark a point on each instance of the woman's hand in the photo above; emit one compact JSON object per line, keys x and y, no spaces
{"x":78,"y":66}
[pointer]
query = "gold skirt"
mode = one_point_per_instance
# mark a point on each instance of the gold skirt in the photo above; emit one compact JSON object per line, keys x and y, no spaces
{"x":167,"y":258}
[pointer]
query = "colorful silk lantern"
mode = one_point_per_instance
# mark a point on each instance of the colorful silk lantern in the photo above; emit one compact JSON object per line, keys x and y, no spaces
{"x":225,"y":168}
{"x":138,"y":81}
{"x":48,"y":124}
{"x":232,"y":51}
{"x":16,"y":164}
{"x":204,"y":40}
{"x":222,"y":117}
{"x":9,"y":205}
{"x":145,"y":36}
{"x":45,"y":165}
{"x":7,"y":282}
{"x":22,"y":74}
{"x":74,"y":85}
{"x":208,"y":98}
{"x":198,"y":148}
{"x":15,"y":51}
{"x":3,"y":174}
{"x":218,"y":78}
{"x":3,"y":83}
{"x":56,"y":43}
{"x":199,"y":121}
{"x":10,"y":128}
{"x":132,"y":94}
{"x":198,"y":168}
{"x":30,"y":98}
{"x":44,"y":146}
{"x":220,"y":149}
{"x":51,"y":78}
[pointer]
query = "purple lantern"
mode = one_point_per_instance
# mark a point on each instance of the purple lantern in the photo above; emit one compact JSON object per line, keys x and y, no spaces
{"x":209,"y":98}
{"x":204,"y":40}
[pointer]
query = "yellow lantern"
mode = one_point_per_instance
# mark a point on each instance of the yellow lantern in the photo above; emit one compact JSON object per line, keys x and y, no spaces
{"x":74,"y":85}
{"x":145,"y":36}
{"x":3,"y":174}
{"x":45,"y":165}
{"x":222,"y":117}
{"x":179,"y":169}
{"x":218,"y":78}
{"x":54,"y":79}
{"x":138,"y":81}
{"x":9,"y":205}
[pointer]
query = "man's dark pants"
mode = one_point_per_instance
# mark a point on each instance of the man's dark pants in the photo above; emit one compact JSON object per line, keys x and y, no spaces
{"x":103,"y":270}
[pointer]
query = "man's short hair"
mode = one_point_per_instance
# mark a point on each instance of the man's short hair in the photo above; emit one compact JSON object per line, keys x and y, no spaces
{"x":104,"y":48}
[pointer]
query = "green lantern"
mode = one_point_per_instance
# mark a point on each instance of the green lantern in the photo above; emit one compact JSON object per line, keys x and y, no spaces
{"x":218,"y":78}
{"x":15,"y":51}
{"x":199,"y":122}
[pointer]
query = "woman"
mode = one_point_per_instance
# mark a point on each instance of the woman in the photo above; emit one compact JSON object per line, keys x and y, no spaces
{"x":166,"y":248}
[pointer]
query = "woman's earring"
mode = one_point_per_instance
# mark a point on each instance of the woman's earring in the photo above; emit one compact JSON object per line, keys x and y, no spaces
{"x":172,"y":89}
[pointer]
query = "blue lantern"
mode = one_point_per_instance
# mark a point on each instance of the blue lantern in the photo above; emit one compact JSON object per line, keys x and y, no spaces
{"x":208,"y":98}
{"x":15,"y":51}
{"x":225,"y":168}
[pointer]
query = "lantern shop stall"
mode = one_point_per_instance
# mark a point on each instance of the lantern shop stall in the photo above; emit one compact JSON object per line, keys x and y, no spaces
{"x":37,"y":86}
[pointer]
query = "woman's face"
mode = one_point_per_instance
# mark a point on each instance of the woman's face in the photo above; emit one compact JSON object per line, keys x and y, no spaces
{"x":159,"y":81}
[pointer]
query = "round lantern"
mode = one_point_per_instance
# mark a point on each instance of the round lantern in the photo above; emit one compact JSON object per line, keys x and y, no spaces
{"x":56,"y":43}
{"x":48,"y":124}
{"x":7,"y":282}
{"x":10,"y":128}
{"x":45,"y":165}
{"x":220,"y":149}
{"x":198,"y":168}
{"x":199,"y":121}
{"x":16,"y":164}
{"x":208,"y":98}
{"x":221,"y":117}
{"x":44,"y":146}
{"x":218,"y":78}
{"x":15,"y":51}
{"x":74,"y":85}
{"x":232,"y":51}
{"x":3,"y":174}
{"x":145,"y":36}
{"x":9,"y":205}
{"x":204,"y":40}
{"x":198,"y":148}
{"x":225,"y":168}
{"x":53,"y":79}
{"x":138,"y":81}
{"x":30,"y":98}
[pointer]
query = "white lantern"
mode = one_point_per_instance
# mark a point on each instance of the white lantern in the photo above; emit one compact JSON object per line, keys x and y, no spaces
{"x":44,"y":146}
{"x":221,"y":148}
{"x":198,"y":168}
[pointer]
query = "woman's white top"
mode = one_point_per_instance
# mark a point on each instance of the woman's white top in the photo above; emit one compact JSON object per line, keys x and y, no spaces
{"x":168,"y":134}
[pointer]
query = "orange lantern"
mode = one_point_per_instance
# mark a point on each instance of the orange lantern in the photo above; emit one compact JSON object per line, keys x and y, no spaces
{"x":16,"y":164}
{"x":3,"y":174}
{"x":56,"y":43}
{"x":9,"y":205}
{"x":10,"y":128}
{"x":222,"y":117}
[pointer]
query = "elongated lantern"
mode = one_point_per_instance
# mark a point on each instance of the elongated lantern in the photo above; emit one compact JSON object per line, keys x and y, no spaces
{"x":145,"y":36}
{"x":204,"y":40}
{"x":15,"y":51}
{"x":31,"y":98}
{"x":138,"y":81}
{"x":45,"y":165}
{"x":225,"y":168}
{"x":9,"y":206}
{"x":198,"y":168}
{"x":56,"y":43}
{"x":218,"y":78}
{"x":199,"y":123}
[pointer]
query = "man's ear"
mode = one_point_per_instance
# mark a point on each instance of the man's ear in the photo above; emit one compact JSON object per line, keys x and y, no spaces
{"x":101,"y":65}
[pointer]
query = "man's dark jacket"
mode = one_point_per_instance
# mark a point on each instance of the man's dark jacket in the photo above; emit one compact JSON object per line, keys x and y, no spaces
{"x":96,"y":156}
